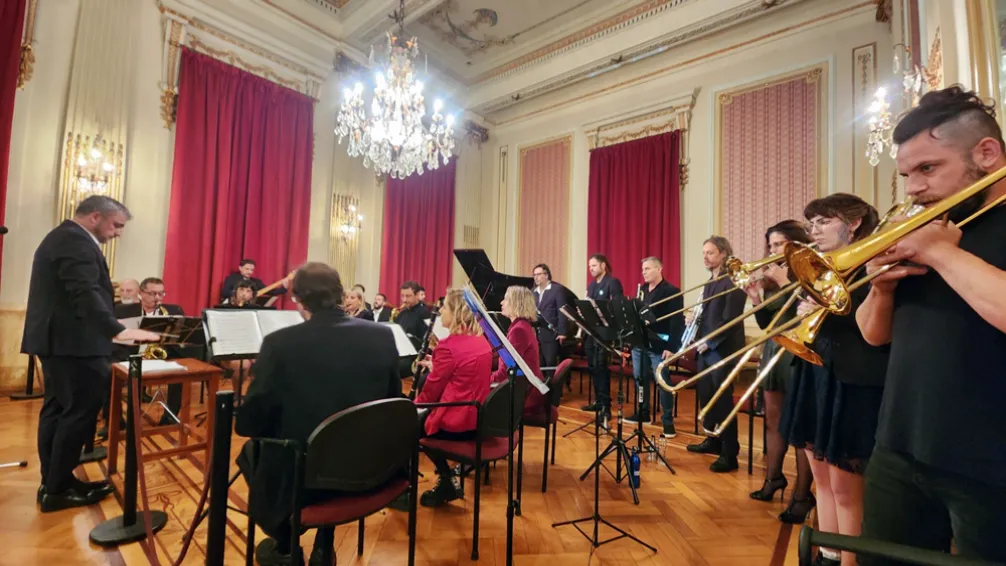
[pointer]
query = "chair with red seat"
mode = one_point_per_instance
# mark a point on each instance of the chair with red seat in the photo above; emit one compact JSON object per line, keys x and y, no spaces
{"x":342,"y":456}
{"x":491,"y":440}
{"x":549,"y":416}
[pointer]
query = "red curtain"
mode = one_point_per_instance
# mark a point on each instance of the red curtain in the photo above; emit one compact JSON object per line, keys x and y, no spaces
{"x":241,"y":184}
{"x":634,"y":206}
{"x":11,"y":27}
{"x":418,"y":238}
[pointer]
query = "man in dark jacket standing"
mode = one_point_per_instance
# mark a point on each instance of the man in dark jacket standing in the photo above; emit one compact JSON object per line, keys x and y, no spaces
{"x":69,"y":325}
{"x":305,"y":374}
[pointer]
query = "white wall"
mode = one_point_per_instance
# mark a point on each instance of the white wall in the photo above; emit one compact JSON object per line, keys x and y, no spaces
{"x":742,"y":55}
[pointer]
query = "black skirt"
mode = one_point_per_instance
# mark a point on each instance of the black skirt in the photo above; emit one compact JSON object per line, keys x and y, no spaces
{"x":837,"y":421}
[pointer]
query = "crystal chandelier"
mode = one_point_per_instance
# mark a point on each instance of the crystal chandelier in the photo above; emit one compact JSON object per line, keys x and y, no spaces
{"x":880,"y":128}
{"x":350,"y":222}
{"x":93,"y":169}
{"x":395,"y":139}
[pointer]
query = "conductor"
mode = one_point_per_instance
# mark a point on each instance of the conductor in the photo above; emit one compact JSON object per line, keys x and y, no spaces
{"x":69,"y":325}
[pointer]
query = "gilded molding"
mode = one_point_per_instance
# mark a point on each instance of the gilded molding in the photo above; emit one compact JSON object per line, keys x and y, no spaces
{"x":232,"y":58}
{"x":26,"y":63}
{"x":934,"y":67}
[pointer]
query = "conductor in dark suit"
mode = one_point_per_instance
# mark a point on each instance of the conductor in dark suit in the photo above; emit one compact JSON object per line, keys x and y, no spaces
{"x":69,"y":325}
{"x":305,"y":374}
{"x":715,"y":314}
{"x":602,"y":288}
{"x":552,"y":328}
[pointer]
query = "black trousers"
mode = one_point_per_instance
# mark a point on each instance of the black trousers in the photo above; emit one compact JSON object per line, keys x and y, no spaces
{"x":597,"y":363}
{"x":549,"y":352}
{"x":914,"y":504}
{"x":75,"y":389}
{"x":706,"y":388}
{"x":441,"y":463}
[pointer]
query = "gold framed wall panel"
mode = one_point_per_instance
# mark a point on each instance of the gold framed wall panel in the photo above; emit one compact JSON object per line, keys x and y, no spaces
{"x":343,"y":249}
{"x":865,"y":182}
{"x":502,"y":190}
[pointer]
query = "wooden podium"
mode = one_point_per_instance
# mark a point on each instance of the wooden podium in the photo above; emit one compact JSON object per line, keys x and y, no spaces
{"x":195,"y":372}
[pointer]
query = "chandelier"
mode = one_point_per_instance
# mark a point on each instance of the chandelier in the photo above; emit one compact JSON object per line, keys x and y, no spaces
{"x":350,"y":222}
{"x":396,"y":139}
{"x":914,"y":79}
{"x":93,"y":169}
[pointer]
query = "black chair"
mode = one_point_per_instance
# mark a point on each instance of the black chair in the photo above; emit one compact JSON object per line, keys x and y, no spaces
{"x":491,"y":440}
{"x":369,"y":456}
{"x":548,"y":418}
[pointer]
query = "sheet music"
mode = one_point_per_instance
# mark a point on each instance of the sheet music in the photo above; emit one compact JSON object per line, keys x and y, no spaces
{"x":439,"y":330}
{"x":473,"y":300}
{"x":271,"y":321}
{"x":130,"y":323}
{"x":235,"y":332}
{"x":402,"y":342}
{"x":151,"y":366}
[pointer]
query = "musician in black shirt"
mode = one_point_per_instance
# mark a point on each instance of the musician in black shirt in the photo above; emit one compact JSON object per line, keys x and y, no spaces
{"x":938,"y":473}
{"x":413,"y":314}
{"x":244,"y":274}
{"x":602,"y":288}
{"x":662,"y":336}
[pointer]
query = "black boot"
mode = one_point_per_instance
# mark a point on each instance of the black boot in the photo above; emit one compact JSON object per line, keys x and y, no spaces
{"x":708,"y":446}
{"x":443,"y":492}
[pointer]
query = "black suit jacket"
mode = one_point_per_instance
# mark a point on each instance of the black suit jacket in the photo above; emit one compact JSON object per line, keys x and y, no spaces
{"x":672,"y":327}
{"x":604,"y":291}
{"x":384,"y":315}
{"x":70,"y":297}
{"x":232,"y":280}
{"x":303,"y":375}
{"x":549,"y":304}
{"x":718,"y":312}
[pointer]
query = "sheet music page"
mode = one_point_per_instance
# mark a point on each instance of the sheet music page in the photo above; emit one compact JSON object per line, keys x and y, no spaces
{"x":236,"y":332}
{"x":151,"y":366}
{"x":439,"y":330}
{"x":271,"y":321}
{"x":129,"y":323}
{"x":402,"y":342}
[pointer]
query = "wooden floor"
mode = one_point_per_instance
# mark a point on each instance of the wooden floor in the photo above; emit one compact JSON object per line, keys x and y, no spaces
{"x":694,"y":517}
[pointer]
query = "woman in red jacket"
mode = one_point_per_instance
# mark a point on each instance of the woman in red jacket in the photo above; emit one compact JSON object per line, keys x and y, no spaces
{"x":519,"y":306}
{"x":459,"y":371}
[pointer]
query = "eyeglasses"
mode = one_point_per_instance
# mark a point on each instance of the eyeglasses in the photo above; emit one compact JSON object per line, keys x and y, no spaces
{"x":155,"y":293}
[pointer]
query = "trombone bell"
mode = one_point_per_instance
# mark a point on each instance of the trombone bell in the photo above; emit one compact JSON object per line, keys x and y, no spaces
{"x":798,"y":340}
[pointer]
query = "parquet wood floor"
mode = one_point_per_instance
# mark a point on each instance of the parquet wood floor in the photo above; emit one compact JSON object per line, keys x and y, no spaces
{"x":694,"y":518}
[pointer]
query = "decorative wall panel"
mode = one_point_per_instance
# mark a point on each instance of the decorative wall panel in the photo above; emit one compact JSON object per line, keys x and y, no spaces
{"x":864,"y":86}
{"x":772,"y":148}
{"x":543,"y":206}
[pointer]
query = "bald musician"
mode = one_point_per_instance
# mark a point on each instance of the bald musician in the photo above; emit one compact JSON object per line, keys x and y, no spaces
{"x":129,"y":292}
{"x":938,"y":471}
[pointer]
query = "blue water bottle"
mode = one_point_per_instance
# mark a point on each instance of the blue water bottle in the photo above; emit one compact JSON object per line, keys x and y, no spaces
{"x":634,"y":467}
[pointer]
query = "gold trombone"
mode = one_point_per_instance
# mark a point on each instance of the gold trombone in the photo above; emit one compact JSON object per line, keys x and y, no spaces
{"x":822,"y":272}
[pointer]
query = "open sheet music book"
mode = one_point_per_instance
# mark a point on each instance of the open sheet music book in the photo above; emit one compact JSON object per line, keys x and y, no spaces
{"x":240,"y":332}
{"x":402,"y":342}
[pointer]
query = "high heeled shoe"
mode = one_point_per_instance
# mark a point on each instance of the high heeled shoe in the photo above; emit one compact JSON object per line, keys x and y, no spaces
{"x":798,"y":509}
{"x":768,"y":489}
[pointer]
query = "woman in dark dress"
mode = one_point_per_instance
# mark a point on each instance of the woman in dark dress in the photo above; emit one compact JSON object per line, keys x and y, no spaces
{"x":778,"y":382}
{"x":831,"y":411}
{"x":355,"y":305}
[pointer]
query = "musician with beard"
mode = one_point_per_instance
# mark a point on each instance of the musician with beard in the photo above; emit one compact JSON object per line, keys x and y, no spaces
{"x":938,"y":472}
{"x":244,"y":274}
{"x":129,"y":292}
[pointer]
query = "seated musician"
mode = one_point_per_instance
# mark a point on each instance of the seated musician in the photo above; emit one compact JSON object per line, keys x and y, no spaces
{"x":518,"y":306}
{"x":244,"y":274}
{"x":305,"y":374}
{"x":355,"y":306}
{"x":382,"y":312}
{"x":129,"y":292}
{"x":363,"y":293}
{"x":243,"y":297}
{"x":459,"y":371}
{"x":413,"y":314}
{"x":151,"y":294}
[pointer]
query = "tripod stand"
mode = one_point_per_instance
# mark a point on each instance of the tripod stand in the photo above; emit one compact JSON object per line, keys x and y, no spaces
{"x":596,"y":518}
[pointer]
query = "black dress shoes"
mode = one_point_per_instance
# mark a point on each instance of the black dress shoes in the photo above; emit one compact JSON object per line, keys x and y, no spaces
{"x":707,"y":446}
{"x":72,"y":497}
{"x":99,"y":488}
{"x":724,"y":464}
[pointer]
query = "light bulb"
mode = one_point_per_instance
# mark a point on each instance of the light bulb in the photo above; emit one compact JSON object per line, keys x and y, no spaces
{"x":450,"y":120}
{"x":438,"y":105}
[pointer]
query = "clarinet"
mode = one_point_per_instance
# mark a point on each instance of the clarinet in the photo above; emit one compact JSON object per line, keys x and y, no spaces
{"x":418,"y":372}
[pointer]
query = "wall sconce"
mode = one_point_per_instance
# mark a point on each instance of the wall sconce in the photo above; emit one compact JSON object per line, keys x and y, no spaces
{"x":349,"y":222}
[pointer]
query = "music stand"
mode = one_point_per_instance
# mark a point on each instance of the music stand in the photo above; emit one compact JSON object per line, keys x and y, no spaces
{"x":627,"y":314}
{"x":586,"y":317}
{"x":596,"y":518}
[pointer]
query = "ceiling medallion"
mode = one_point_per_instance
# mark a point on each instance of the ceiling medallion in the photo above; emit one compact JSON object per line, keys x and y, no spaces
{"x":396,"y":139}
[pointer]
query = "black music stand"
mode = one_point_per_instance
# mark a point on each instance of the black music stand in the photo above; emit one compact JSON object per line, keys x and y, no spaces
{"x":627,"y":316}
{"x":588,"y":315}
{"x":596,"y":518}
{"x":29,"y":386}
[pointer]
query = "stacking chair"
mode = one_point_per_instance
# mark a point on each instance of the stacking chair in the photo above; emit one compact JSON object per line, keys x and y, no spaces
{"x":548,"y":418}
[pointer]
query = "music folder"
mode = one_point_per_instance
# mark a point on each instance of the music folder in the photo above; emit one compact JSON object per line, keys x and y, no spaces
{"x":239,"y":333}
{"x":405,"y":346}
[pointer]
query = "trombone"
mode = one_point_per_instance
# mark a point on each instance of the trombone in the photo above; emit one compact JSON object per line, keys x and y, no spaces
{"x":848,"y":260}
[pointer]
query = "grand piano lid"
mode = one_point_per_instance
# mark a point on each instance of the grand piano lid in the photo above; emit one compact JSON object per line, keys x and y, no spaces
{"x":490,"y":284}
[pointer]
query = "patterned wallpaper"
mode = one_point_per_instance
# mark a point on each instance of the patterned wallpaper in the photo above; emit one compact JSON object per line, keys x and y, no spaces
{"x":543,"y":204}
{"x":771,"y":138}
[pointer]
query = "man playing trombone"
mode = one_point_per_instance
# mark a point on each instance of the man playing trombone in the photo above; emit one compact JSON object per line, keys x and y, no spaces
{"x":938,"y":472}
{"x":715,"y":313}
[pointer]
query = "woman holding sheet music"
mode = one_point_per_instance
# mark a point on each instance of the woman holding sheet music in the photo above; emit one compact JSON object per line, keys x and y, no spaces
{"x":460,"y":370}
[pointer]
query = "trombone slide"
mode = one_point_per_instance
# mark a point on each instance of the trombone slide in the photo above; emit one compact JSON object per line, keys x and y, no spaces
{"x":747,"y":394}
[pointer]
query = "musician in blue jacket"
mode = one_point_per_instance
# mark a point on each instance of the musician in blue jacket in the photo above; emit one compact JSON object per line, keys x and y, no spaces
{"x":552,"y":325}
{"x":602,"y":288}
{"x":714,"y":314}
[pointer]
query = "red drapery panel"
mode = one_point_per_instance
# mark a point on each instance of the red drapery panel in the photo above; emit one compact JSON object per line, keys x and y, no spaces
{"x":634,"y":209}
{"x":11,"y":28}
{"x":241,"y":184}
{"x":418,"y":238}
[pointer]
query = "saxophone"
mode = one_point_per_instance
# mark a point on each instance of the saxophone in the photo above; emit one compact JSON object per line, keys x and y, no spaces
{"x":394,"y":314}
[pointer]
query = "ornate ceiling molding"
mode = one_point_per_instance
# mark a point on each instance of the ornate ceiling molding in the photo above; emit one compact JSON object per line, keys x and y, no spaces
{"x":708,"y":26}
